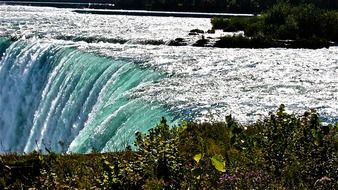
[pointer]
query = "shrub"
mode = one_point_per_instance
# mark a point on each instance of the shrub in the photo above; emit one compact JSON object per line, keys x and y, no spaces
{"x":283,"y":151}
{"x":286,"y":22}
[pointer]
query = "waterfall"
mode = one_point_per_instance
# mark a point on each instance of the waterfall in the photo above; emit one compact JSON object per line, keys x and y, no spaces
{"x":64,"y":99}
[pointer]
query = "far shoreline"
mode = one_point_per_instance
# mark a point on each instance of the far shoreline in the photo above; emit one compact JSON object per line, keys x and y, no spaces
{"x":109,"y":9}
{"x":159,"y":13}
{"x":234,"y":41}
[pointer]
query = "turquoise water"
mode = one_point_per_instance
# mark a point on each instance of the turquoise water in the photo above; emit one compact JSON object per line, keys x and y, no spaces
{"x":4,"y":44}
{"x":64,"y":99}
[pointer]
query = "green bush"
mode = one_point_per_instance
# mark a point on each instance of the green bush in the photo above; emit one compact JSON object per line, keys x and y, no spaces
{"x":286,"y":22}
{"x":232,"y":24}
{"x":283,"y":151}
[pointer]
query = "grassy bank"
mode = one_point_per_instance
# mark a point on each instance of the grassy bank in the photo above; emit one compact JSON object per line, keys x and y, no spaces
{"x":283,"y":151}
{"x":284,"y":25}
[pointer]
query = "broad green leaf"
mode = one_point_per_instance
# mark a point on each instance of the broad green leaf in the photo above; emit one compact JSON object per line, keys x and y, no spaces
{"x":218,"y":162}
{"x":106,"y":162}
{"x":198,"y":157}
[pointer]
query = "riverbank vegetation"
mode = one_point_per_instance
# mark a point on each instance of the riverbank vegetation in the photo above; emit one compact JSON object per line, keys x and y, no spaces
{"x":282,"y":151}
{"x":284,"y":25}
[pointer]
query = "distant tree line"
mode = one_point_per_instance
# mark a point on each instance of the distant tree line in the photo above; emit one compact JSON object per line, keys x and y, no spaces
{"x":235,"y":6}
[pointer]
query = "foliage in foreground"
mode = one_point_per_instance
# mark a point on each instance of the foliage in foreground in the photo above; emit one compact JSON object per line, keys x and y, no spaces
{"x":284,"y":151}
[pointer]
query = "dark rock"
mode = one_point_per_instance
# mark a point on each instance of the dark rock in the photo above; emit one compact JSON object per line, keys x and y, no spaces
{"x":212,"y":31}
{"x":152,"y":42}
{"x":179,"y":39}
{"x":177,"y":42}
{"x":261,"y":42}
{"x":192,"y":34}
{"x":244,"y":42}
{"x":308,"y":43}
{"x":201,"y":43}
{"x":198,"y":31}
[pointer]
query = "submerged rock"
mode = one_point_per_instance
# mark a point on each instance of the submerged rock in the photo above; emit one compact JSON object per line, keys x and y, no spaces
{"x":177,"y":42}
{"x":152,"y":42}
{"x":201,"y":42}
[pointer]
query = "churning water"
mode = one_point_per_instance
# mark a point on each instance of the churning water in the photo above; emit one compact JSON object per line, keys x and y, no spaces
{"x":68,"y":82}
